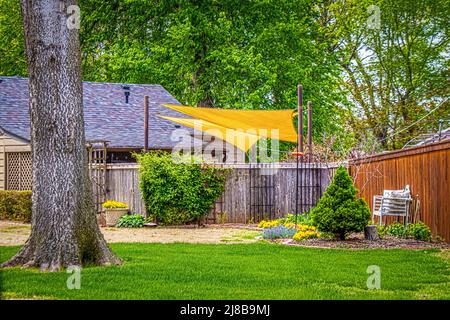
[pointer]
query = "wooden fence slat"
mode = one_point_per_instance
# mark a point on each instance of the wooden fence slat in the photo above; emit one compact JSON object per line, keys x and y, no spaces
{"x":425,"y":169}
{"x":123,"y":185}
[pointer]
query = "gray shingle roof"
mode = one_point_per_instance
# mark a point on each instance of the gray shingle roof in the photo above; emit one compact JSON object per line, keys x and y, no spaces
{"x":107,"y":116}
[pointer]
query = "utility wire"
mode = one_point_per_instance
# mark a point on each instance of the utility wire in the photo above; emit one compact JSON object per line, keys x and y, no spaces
{"x":390,"y":136}
{"x":417,"y":121}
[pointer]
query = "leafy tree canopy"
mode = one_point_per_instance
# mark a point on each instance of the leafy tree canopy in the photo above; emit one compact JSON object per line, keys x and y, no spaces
{"x":368,"y":80}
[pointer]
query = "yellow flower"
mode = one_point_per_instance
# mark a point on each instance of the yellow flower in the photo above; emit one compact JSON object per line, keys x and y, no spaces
{"x":111,"y":204}
{"x":268,"y":224}
{"x":306,"y":234}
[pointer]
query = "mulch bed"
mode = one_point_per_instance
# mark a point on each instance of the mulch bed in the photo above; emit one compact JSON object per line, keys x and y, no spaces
{"x":357,"y":241}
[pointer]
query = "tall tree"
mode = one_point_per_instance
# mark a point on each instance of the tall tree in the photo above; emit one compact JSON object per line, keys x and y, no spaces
{"x":395,"y":64}
{"x":13,"y":61}
{"x":230,"y":54}
{"x":64,"y":229}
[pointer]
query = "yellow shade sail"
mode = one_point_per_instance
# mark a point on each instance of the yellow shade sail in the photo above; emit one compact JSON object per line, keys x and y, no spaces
{"x":238,"y":138}
{"x":274,"y":124}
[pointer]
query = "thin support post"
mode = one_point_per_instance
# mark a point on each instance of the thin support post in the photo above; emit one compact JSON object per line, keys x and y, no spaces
{"x":145,"y":123}
{"x":296,"y":192}
{"x":310,"y":146}
{"x":299,"y":143}
{"x":441,"y":124}
{"x":300,"y":118}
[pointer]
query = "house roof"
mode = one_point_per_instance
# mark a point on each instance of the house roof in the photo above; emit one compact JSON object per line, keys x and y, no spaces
{"x":427,"y":138}
{"x":107,"y":116}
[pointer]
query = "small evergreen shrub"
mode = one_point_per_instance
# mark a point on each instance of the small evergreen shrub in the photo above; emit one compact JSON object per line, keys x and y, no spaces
{"x":15,"y":205}
{"x":131,"y":221}
{"x":339,"y":211}
{"x":178,"y":192}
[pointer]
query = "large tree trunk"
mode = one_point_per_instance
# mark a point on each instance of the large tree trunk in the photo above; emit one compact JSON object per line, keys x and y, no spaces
{"x":64,"y":229}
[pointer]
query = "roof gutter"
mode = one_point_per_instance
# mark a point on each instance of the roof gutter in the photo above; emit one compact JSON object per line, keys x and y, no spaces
{"x":15,"y":136}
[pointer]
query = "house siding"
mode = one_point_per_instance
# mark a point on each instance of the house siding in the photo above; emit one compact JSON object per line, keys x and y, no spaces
{"x":9,"y":144}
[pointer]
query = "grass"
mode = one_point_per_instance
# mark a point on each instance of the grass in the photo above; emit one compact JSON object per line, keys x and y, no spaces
{"x":240,"y":271}
{"x":240,"y":236}
{"x":14,"y":229}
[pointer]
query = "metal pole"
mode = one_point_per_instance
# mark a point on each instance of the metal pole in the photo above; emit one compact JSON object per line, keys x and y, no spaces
{"x":300,"y":118}
{"x":441,"y":123}
{"x":310,"y":147}
{"x":145,"y":123}
{"x":296,"y":193}
{"x":299,"y":142}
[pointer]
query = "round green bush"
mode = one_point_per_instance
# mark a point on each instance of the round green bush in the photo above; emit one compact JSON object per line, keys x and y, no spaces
{"x":339,"y":211}
{"x":178,"y":192}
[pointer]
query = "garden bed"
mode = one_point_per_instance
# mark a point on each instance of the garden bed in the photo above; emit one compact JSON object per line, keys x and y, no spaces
{"x":357,"y":241}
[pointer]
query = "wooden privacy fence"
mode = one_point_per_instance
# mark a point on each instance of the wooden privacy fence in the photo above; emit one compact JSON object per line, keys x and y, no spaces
{"x":252,"y":191}
{"x":425,"y":169}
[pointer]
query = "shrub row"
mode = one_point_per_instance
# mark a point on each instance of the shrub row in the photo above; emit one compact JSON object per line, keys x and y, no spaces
{"x":15,"y":205}
{"x":418,"y":231}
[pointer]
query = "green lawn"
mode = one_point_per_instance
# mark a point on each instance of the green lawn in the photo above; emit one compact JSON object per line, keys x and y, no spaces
{"x":243,"y":271}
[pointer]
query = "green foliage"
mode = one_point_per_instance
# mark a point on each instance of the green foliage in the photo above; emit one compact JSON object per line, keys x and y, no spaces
{"x":230,"y":54}
{"x":366,"y":83}
{"x":304,"y":219}
{"x":397,"y":230}
{"x":15,"y":205}
{"x":131,"y":221}
{"x":395,"y":72}
{"x":382,"y":230}
{"x":339,"y":211}
{"x":418,"y":231}
{"x":180,"y":191}
{"x":12,"y":46}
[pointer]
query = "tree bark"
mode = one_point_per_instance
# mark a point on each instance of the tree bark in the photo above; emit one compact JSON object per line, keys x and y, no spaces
{"x":64,"y":229}
{"x":371,"y":233}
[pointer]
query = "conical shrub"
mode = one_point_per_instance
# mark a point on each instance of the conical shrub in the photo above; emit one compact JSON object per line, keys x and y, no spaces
{"x":339,"y":211}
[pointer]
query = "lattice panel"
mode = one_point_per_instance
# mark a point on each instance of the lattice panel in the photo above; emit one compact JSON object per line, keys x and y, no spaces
{"x":97,"y":170}
{"x":18,"y":171}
